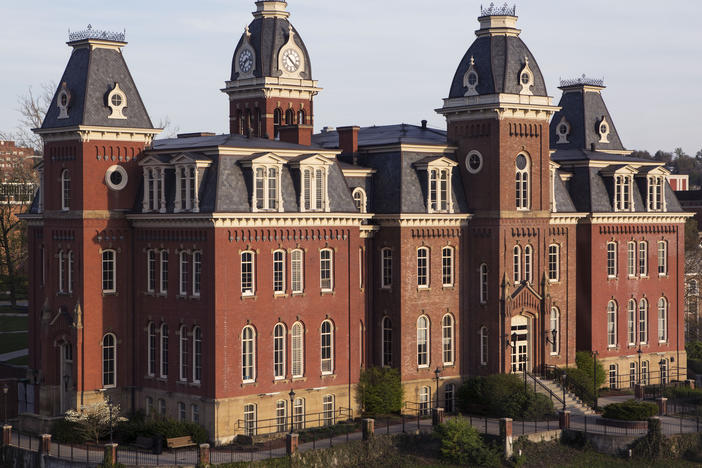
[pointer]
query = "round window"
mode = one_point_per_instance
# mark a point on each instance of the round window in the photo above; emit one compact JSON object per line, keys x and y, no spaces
{"x":525,"y":78}
{"x":116,"y":177}
{"x":563,"y":129}
{"x":474,"y":162}
{"x":472,"y":79}
{"x":603,"y":129}
{"x":116,"y":100}
{"x":521,"y":162}
{"x":64,"y":100}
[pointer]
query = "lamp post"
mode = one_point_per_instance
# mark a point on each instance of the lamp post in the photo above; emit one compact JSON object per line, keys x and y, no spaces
{"x":437,"y":372}
{"x":109,"y":405}
{"x":554,"y":336}
{"x":594,"y":377}
{"x":5,"y":388}
{"x":292,"y":400}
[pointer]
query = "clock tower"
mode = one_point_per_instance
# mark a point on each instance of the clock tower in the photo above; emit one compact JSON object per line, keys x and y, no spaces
{"x":271,"y":89}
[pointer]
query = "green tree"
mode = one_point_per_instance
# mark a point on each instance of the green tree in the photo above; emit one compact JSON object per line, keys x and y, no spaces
{"x":380,"y":391}
{"x":461,"y":444}
{"x":585,"y":362}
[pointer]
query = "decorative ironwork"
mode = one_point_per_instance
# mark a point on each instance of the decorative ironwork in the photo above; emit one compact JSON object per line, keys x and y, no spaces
{"x":90,"y":33}
{"x":504,"y":10}
{"x":582,"y":80}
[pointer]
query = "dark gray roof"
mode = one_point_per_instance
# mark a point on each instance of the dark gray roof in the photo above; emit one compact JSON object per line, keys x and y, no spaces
{"x":89,"y":76}
{"x":235,"y":140}
{"x":571,"y":155}
{"x":498,"y":62}
{"x":584,"y":111}
{"x":562,"y":199}
{"x":386,"y":135}
{"x":268,"y":36}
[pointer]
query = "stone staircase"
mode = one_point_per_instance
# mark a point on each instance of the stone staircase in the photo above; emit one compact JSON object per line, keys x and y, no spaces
{"x":572,"y":402}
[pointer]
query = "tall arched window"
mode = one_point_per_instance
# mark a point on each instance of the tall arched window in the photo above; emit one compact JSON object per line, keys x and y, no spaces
{"x":483,"y":283}
{"x":197,"y":272}
{"x":662,"y":258}
{"x":183,"y":345}
{"x":612,"y":324}
{"x":164,"y":351}
{"x":386,"y":268}
{"x":109,"y":361}
{"x":183,"y":273}
{"x":662,"y":320}
{"x":247,"y":273}
{"x":197,"y":354}
{"x":289,"y":117}
{"x":611,"y":259}
{"x":327,"y":351}
{"x":65,"y":190}
{"x":164,"y":272}
{"x":631,"y":258}
{"x":387,"y":341}
{"x":555,"y":326}
{"x":109,"y":265}
{"x":297,"y":352}
{"x":483,"y":346}
{"x":279,"y":272}
{"x":359,"y":199}
{"x":447,"y":340}
{"x":643,"y":258}
{"x":643,"y":321}
{"x":151,"y":348}
{"x":517,"y":264}
{"x":301,"y":117}
{"x":423,"y":341}
{"x":297,"y":271}
{"x":522,"y":182}
{"x":528,"y":263}
{"x":631,"y":321}
{"x":248,"y":354}
{"x":71,"y":263}
{"x":554,"y":259}
{"x":447,"y":266}
{"x":61,"y":271}
{"x":326,"y":270}
{"x":423,"y":267}
{"x":279,"y":351}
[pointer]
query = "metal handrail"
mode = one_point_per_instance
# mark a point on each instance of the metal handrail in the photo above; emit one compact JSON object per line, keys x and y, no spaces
{"x":586,"y":395}
{"x":550,"y":392}
{"x":303,"y":421}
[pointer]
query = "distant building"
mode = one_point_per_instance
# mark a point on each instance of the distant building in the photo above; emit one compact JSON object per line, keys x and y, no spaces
{"x":20,"y":193}
{"x":679,"y":182}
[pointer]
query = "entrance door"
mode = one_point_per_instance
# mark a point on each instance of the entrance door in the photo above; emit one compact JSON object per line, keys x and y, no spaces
{"x":519,"y":338}
{"x":66,"y":382}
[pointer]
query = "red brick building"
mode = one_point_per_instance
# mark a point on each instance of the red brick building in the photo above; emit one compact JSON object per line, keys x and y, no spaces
{"x":205,"y":277}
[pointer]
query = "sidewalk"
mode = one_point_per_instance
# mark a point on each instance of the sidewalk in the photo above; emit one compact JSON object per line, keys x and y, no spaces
{"x":14,"y":354}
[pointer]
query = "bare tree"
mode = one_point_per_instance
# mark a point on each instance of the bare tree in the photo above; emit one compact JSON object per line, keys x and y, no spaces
{"x":32,"y":109}
{"x":169,"y":130}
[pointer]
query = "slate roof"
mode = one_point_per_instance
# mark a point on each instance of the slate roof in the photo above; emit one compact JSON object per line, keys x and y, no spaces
{"x":498,"y":62}
{"x":562,"y":155}
{"x":233,"y":140}
{"x":386,"y":135}
{"x":90,"y":75}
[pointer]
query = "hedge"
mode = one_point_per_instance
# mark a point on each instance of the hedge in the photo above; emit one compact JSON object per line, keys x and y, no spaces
{"x":630,"y":410}
{"x":502,"y":396}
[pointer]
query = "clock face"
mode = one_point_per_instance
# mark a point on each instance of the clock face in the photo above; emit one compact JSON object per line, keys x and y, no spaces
{"x":291,"y":60}
{"x":246,"y":61}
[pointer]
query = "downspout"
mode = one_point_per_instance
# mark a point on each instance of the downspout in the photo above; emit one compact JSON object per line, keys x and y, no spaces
{"x":134,"y":327}
{"x":348,"y":283}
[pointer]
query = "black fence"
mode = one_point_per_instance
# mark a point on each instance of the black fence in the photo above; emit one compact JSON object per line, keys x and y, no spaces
{"x":299,"y":422}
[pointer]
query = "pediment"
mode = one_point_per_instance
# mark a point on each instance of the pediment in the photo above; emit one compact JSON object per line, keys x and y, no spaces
{"x":526,"y":297}
{"x":312,"y":160}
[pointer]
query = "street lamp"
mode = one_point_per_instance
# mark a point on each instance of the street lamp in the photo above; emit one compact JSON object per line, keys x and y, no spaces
{"x":437,"y":372}
{"x":109,"y":405}
{"x":292,"y":399}
{"x":5,"y":388}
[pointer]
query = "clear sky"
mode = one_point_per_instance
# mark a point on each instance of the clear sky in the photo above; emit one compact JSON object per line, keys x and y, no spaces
{"x":379,"y":62}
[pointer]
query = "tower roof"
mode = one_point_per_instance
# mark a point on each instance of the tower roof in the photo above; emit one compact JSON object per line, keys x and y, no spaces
{"x":95,"y":71}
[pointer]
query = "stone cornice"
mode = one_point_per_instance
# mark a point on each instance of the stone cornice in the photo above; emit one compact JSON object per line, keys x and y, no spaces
{"x":637,"y":218}
{"x":90,"y":133}
{"x":414,"y":148}
{"x":424,"y":220}
{"x":249,"y":220}
{"x":566,"y":218}
{"x":499,"y":106}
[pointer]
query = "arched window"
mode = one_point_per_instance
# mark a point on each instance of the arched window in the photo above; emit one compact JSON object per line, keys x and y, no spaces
{"x":612,"y":324}
{"x":423,"y":267}
{"x":555,"y":327}
{"x":424,"y":400}
{"x":554,"y":260}
{"x":183,"y":353}
{"x":197,"y":354}
{"x":279,"y":272}
{"x":183,"y":273}
{"x":164,"y":351}
{"x":631,"y":258}
{"x":164,"y":272}
{"x":387,"y":341}
{"x":611,"y":259}
{"x":447,"y":340}
{"x":327,"y":351}
{"x":281,"y":415}
{"x":151,"y":270}
{"x":643,"y":258}
{"x":359,"y":199}
{"x":522,"y":182}
{"x":279,"y":351}
{"x":483,"y":283}
{"x":528,"y":263}
{"x":61,"y":271}
{"x":326,"y":270}
{"x":109,"y":265}
{"x":631,"y":321}
{"x":197,"y":272}
{"x":109,"y":361}
{"x":297,"y":352}
{"x":296,"y":270}
{"x":517,"y":264}
{"x":662,"y":258}
{"x":386,"y":268}
{"x":447,"y":266}
{"x":277,"y":117}
{"x":289,"y":117}
{"x":662,"y":320}
{"x":423,"y":341}
{"x":483,"y":346}
{"x":65,"y":190}
{"x":248,"y":354}
{"x":643,"y":321}
{"x":301,"y":117}
{"x":247,"y":273}
{"x":151,"y":348}
{"x":71,"y":263}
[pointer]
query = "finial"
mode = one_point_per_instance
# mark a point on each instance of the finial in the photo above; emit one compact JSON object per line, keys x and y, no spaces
{"x":472,"y":60}
{"x":248,"y":32}
{"x":504,"y":10}
{"x":526,"y":60}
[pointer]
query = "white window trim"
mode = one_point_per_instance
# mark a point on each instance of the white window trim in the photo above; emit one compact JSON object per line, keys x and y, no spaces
{"x":451,"y":258}
{"x":522,"y":203}
{"x":150,"y":366}
{"x":183,"y":271}
{"x":663,"y":258}
{"x":613,"y":342}
{"x":632,"y":321}
{"x":383,"y":342}
{"x":163,"y":285}
{"x":427,"y":342}
{"x":664,"y":328}
{"x":253,"y":354}
{"x":614,"y":274}
{"x":66,"y":183}
{"x":643,"y":259}
{"x":301,"y":351}
{"x":644,"y":321}
{"x":435,"y":196}
{"x":427,"y":267}
{"x":301,"y":262}
{"x":114,"y":355}
{"x":183,"y":344}
{"x":557,"y":270}
{"x":517,"y":264}
{"x":283,"y":352}
{"x":282,"y":291}
{"x":483,"y":272}
{"x":632,"y":258}
{"x":358,"y":191}
{"x":555,"y":347}
{"x":198,"y":283}
{"x":314,"y":188}
{"x":248,"y":291}
{"x":330,"y":359}
{"x":149,"y":270}
{"x":195,"y":340}
{"x":331,"y":271}
{"x":266,"y":180}
{"x":452,"y":341}
{"x":528,"y":272}
{"x":114,"y":272}
{"x":385,"y":282}
{"x":161,"y":350}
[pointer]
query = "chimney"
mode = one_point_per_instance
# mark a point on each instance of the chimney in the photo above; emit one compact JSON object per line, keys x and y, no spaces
{"x":424,"y":124}
{"x":298,"y":134}
{"x":348,"y":139}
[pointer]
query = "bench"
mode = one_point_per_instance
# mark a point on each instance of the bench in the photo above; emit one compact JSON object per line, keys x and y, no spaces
{"x":180,"y":442}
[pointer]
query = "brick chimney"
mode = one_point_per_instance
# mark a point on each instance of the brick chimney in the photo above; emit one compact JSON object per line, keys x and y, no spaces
{"x":298,"y":134}
{"x":348,"y":139}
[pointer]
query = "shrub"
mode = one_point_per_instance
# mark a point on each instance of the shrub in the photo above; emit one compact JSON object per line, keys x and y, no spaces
{"x":461,"y":444}
{"x":502,"y":396}
{"x":66,"y":432}
{"x":584,"y":362}
{"x":689,"y":395}
{"x":140,"y":426}
{"x":630,"y":410}
{"x":380,"y":391}
{"x":694,"y":366}
{"x":694,"y":350}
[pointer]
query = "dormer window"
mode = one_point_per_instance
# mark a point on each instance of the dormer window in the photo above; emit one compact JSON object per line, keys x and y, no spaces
{"x":439,"y":190}
{"x":314,"y":190}
{"x":267,"y":192}
{"x":154,"y":197}
{"x":622,"y":193}
{"x":186,"y":193}
{"x":655,"y":193}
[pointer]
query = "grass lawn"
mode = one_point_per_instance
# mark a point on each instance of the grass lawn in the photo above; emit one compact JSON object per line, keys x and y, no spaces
{"x":13,"y":341}
{"x":12,"y":323}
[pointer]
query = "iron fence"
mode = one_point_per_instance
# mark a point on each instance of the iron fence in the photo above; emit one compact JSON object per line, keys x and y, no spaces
{"x":281,"y":424}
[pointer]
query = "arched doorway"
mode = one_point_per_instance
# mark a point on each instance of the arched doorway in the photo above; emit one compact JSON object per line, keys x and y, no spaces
{"x":520,"y":344}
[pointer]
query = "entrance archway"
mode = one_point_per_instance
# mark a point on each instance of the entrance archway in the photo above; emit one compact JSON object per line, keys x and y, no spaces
{"x":520,"y":339}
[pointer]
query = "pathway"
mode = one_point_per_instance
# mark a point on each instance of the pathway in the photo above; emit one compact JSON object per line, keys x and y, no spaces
{"x":14,"y":354}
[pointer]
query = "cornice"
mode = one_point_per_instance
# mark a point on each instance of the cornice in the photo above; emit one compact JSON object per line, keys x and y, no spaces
{"x":424,"y":220}
{"x":566,"y":218}
{"x":499,"y":106}
{"x":249,"y":220}
{"x":637,"y":218}
{"x":91,"y":133}
{"x":76,"y":214}
{"x":413,"y":148}
{"x":239,"y":151}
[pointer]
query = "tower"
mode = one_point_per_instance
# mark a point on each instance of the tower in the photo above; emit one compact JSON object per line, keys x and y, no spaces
{"x":94,"y":132}
{"x":271,"y":89}
{"x":498,"y":115}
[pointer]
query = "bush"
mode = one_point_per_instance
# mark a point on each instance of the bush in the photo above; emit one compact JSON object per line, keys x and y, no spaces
{"x":66,"y":432}
{"x":584,"y":362}
{"x":502,"y":396}
{"x":694,"y":350}
{"x":141,"y":426}
{"x":461,"y":444}
{"x":689,"y":395}
{"x":630,"y":410}
{"x":694,"y":367}
{"x":380,"y":391}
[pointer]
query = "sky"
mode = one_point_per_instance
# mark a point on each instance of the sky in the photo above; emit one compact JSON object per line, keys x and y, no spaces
{"x":379,"y":62}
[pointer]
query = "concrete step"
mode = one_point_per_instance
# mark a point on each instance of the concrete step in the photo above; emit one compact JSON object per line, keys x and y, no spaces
{"x":572,"y":402}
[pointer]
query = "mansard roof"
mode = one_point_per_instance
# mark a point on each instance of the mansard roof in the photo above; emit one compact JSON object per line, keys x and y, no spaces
{"x":228,"y":140}
{"x":386,"y":135}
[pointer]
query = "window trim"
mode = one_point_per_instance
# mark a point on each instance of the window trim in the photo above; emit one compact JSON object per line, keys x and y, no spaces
{"x":163,"y":280}
{"x":483,"y":283}
{"x":632,"y":259}
{"x":183,"y":276}
{"x":612,"y":269}
{"x":554,"y":265}
{"x":244,"y":352}
{"x":330,"y":359}
{"x":386,"y":268}
{"x":151,"y":349}
{"x":484,"y":346}
{"x":386,"y":344}
{"x":113,"y":267}
{"x":643,"y":258}
{"x":663,"y":307}
{"x":662,"y":258}
{"x":451,"y":273}
{"x":197,"y":273}
{"x":114,"y":360}
{"x":197,"y":354}
{"x":163,"y":351}
{"x":362,"y":199}
{"x":183,"y":345}
{"x":301,"y":274}
{"x":523,"y":184}
{"x":151,"y":270}
{"x":268,"y":203}
{"x":65,"y":190}
{"x":426,"y":267}
{"x":643,"y":321}
{"x":612,"y":313}
{"x":450,"y":339}
{"x":517,"y":263}
{"x":250,"y":291}
{"x":426,"y":340}
{"x":528,"y":264}
{"x":632,"y":321}
{"x":330,"y":262}
{"x":282,"y":353}
{"x":300,"y":352}
{"x":555,"y":317}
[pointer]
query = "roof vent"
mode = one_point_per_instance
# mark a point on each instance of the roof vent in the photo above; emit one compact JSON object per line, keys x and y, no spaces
{"x":196,"y":135}
{"x":424,"y":124}
{"x":328,"y":129}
